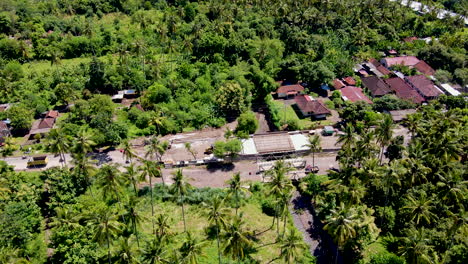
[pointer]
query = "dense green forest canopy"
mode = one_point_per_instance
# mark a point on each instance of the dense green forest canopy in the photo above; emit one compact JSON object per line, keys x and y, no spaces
{"x":199,"y":63}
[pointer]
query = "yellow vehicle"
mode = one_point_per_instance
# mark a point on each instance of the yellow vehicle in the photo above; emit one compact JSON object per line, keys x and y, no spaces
{"x":37,"y":161}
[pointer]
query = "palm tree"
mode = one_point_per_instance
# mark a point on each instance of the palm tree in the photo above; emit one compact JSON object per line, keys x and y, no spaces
{"x":384,"y":133}
{"x":314,"y":146}
{"x":191,"y":249}
{"x":415,"y":246}
{"x":133,"y":217}
{"x":156,"y":149}
{"x":283,"y":208}
{"x":237,"y":238}
{"x":391,"y":177}
{"x":291,"y":247}
{"x":83,"y":142}
{"x":131,"y":176}
{"x":104,"y":226}
{"x":217,"y":215}
{"x":235,"y":188}
{"x":348,"y":139}
{"x":65,"y":218}
{"x":149,"y":170}
{"x":127,"y":149}
{"x":155,"y":251}
{"x":58,"y":143}
{"x":412,"y":122}
{"x":110,"y":180}
{"x":84,"y":167}
{"x":126,"y":252}
{"x":179,"y":189}
{"x":341,"y":225}
{"x":420,"y":209}
{"x":278,"y":184}
{"x":162,"y":225}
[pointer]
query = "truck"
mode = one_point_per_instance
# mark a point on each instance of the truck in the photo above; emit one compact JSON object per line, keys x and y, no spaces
{"x":38,"y":161}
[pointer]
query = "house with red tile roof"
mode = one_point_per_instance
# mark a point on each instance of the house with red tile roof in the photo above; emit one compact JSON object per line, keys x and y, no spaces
{"x":424,"y":86}
{"x":404,"y":91}
{"x":311,"y":107}
{"x":349,"y":81}
{"x":338,"y":84}
{"x":376,"y":86}
{"x":354,"y":94}
{"x":51,"y":114}
{"x":403,"y":60}
{"x":288,"y":91}
{"x":424,"y":68}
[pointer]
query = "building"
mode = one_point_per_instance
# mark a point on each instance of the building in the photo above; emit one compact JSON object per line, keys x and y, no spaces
{"x":424,"y":86}
{"x":404,"y":91}
{"x":338,"y":84}
{"x":289,"y":91}
{"x":376,"y":86}
{"x":311,"y":107}
{"x":400,"y":115}
{"x":403,"y":60}
{"x":349,"y":81}
{"x":354,"y":94}
{"x":50,"y":114}
{"x":410,"y":61}
{"x":449,"y":90}
{"x":424,"y":68}
{"x":379,"y":68}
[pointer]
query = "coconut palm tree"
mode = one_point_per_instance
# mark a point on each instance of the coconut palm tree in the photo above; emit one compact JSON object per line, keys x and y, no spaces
{"x":341,"y":225}
{"x":65,"y":217}
{"x":419,"y":209}
{"x":348,"y":139}
{"x":83,"y":142}
{"x":127,"y":149}
{"x":283,"y":208}
{"x":415,"y":246}
{"x":217,"y":215}
{"x":58,"y":143}
{"x":179,"y":189}
{"x":126,"y":252}
{"x":390,"y":178}
{"x":314,"y":146}
{"x":155,"y":251}
{"x":278,"y":184}
{"x":384,"y":133}
{"x":104,"y":226}
{"x":155,"y":150}
{"x":149,"y":170}
{"x":235,"y":189}
{"x":132,"y":176}
{"x":84,"y":167}
{"x":110,"y":180}
{"x":292,"y":246}
{"x":191,"y":249}
{"x":133,"y":217}
{"x":237,"y":238}
{"x":163,"y":225}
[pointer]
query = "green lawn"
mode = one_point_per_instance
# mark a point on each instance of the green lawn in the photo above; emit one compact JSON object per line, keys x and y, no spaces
{"x":286,"y":112}
{"x":41,"y":66}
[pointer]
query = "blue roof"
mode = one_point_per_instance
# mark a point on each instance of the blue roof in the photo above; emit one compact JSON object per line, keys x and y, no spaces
{"x":324,"y":87}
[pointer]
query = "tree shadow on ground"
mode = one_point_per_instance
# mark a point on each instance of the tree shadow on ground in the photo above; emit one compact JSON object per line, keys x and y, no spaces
{"x":214,"y":167}
{"x":326,"y":249}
